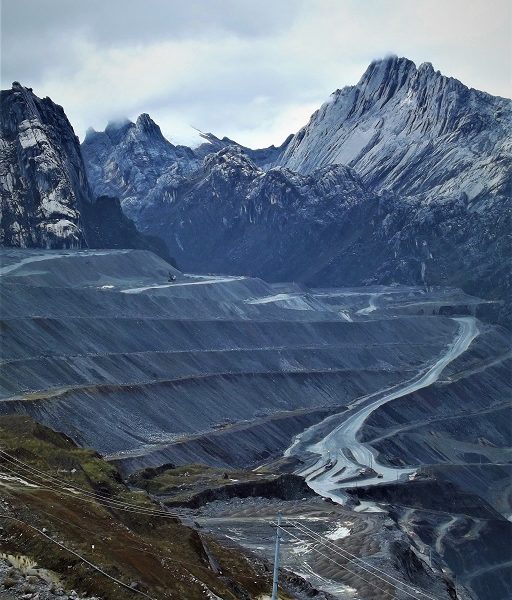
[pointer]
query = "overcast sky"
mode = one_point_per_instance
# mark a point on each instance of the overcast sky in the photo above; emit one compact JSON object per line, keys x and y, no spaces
{"x":252,"y":70}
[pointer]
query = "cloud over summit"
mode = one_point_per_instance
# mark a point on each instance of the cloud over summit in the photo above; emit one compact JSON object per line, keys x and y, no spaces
{"x":253,"y":71}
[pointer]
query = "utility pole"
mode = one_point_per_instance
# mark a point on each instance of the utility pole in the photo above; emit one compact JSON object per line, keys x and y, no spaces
{"x":276,"y":559}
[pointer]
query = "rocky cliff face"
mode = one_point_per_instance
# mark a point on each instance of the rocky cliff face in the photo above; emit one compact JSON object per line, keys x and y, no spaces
{"x":412,"y":131}
{"x":134,"y":162}
{"x":127,"y":159}
{"x":46,"y":200}
{"x":42,"y":177}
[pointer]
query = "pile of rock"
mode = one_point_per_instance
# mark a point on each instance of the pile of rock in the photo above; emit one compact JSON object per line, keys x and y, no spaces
{"x":16,"y":584}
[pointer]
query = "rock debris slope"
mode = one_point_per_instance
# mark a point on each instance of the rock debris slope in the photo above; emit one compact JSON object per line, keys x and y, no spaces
{"x":99,"y":343}
{"x":227,"y":370}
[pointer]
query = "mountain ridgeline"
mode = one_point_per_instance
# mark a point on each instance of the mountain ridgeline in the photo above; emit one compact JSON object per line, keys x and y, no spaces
{"x":404,"y":177}
{"x":45,"y":197}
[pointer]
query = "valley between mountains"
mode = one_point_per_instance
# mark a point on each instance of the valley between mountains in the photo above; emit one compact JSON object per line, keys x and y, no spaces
{"x":196,"y":341}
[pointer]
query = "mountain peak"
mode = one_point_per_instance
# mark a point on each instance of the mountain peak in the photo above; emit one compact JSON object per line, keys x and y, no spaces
{"x":427,"y":67}
{"x":400,"y":116}
{"x":116,"y":124}
{"x":90,"y":134}
{"x":390,"y":71}
{"x":229,"y":160}
{"x":116,"y":129}
{"x":393,"y":60}
{"x":146,"y":123}
{"x":148,"y":129}
{"x":42,"y":172}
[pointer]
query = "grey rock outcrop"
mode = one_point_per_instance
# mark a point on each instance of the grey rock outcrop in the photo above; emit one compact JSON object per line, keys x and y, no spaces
{"x":230,"y":215}
{"x":42,"y":177}
{"x":127,"y":159}
{"x":412,"y":131}
{"x":45,"y":197}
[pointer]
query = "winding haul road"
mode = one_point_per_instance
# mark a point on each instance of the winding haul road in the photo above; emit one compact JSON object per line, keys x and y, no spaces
{"x":207,"y":280}
{"x":342,"y":457}
{"x":5,"y":270}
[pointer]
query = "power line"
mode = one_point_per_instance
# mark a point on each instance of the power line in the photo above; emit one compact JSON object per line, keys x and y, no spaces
{"x":340,"y":550}
{"x":90,"y":497}
{"x":113,"y":504}
{"x":75,"y":496}
{"x":83,"y":559}
{"x":368,"y":571}
{"x":95,"y":495}
{"x":343,"y":566}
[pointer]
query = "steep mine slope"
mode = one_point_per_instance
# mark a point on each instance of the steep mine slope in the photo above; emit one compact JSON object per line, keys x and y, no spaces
{"x":45,"y":197}
{"x":98,"y":342}
{"x":227,"y":370}
{"x":411,"y":130}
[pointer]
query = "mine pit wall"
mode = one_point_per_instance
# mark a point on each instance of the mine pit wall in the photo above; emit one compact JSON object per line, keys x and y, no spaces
{"x":114,"y":419}
{"x":58,"y":373}
{"x":459,"y":427}
{"x":240,"y":446}
{"x":457,"y":432}
{"x":474,"y":405}
{"x":284,"y":487}
{"x":468,"y":534}
{"x":41,"y":336}
{"x":140,"y":373}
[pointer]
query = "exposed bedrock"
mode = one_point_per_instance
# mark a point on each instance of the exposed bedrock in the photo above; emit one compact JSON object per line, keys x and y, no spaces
{"x":284,"y":487}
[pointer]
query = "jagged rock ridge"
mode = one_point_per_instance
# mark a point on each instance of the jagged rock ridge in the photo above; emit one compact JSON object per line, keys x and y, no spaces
{"x":128,"y":158}
{"x":432,"y":162}
{"x":136,"y":163}
{"x":46,"y":200}
{"x":413,"y":131}
{"x":231,"y":215}
{"x":42,"y":178}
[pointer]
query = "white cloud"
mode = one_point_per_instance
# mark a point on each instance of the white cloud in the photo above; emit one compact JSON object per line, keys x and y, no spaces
{"x":251,"y":71}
